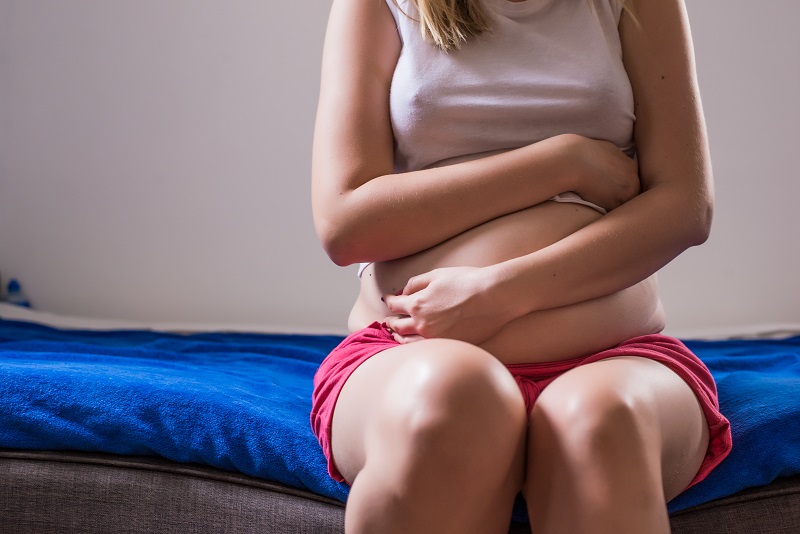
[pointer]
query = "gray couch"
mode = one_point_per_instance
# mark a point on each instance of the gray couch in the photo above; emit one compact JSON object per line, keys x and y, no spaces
{"x":45,"y":492}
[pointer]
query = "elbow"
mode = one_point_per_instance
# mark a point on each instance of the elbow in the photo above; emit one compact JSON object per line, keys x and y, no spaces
{"x":340,"y":256}
{"x":703,"y":233}
{"x":333,"y":227}
{"x":691,"y":214}
{"x":346,"y":228}
{"x":337,"y":242}
{"x":702,"y":222}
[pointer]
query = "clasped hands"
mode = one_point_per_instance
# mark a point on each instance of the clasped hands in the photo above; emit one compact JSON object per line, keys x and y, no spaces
{"x":451,"y":302}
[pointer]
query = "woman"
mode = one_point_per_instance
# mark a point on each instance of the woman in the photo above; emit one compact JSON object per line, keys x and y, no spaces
{"x":476,"y":158}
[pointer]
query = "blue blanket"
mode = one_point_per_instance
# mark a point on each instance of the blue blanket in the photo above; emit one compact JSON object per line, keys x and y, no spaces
{"x":241,"y":401}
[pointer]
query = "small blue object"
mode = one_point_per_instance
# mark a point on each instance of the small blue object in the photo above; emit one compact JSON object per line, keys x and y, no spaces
{"x":15,"y":294}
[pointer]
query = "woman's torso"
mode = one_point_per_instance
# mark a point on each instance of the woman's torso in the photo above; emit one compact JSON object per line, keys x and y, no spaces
{"x":551,"y":335}
{"x":548,"y":67}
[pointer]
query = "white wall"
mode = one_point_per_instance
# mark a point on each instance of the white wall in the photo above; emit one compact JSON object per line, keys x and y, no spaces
{"x":155,"y":161}
{"x":748,"y":63}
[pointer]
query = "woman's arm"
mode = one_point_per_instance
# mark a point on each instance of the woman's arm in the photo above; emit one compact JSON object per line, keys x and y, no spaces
{"x":364,"y":212}
{"x":674,"y":211}
{"x":620,"y":249}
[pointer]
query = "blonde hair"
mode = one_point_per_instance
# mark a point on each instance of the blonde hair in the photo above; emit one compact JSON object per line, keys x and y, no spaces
{"x":449,"y":23}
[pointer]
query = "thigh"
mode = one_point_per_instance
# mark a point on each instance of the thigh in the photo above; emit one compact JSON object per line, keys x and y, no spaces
{"x":392,"y":384}
{"x":662,"y":401}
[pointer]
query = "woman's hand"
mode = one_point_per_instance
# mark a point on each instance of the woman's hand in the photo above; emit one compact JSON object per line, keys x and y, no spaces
{"x":450,"y":302}
{"x":603,"y":174}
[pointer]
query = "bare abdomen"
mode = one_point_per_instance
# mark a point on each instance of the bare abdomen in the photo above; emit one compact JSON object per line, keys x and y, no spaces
{"x":547,"y":335}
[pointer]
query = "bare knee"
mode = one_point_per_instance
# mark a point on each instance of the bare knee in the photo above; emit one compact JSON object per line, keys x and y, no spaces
{"x":447,"y":432}
{"x":450,"y":408}
{"x":589,"y":444}
{"x":596,"y":422}
{"x":596,"y":431}
{"x":450,"y":393}
{"x":594,"y":453}
{"x":455,"y":376}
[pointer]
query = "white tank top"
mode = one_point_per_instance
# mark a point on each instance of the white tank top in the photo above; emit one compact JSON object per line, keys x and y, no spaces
{"x":546,"y":67}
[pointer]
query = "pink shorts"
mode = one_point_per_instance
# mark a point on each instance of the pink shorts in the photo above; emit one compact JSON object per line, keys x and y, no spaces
{"x":531,"y":378}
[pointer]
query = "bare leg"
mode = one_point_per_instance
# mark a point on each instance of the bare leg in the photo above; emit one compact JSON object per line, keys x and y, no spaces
{"x":609,"y":444}
{"x":432,"y":437}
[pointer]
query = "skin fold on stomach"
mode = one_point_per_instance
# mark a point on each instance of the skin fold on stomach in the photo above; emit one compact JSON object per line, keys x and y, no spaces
{"x":547,"y":335}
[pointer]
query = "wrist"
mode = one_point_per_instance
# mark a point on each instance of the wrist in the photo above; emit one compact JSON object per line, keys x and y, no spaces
{"x":503,"y":288}
{"x":567,"y":166}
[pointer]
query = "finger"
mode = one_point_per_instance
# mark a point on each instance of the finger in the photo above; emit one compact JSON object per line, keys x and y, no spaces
{"x":398,"y":304}
{"x":417,"y":283}
{"x":406,"y":339}
{"x":403,"y":325}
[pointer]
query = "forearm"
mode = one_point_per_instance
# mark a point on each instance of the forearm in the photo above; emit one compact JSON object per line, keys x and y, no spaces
{"x":579,"y":329}
{"x":610,"y":254}
{"x":674,"y":212}
{"x":396,"y":215}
